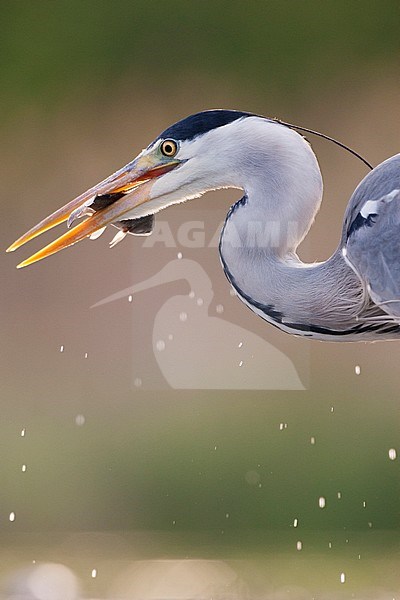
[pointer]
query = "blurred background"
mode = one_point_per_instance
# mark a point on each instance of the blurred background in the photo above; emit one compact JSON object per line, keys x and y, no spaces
{"x":118,"y":490}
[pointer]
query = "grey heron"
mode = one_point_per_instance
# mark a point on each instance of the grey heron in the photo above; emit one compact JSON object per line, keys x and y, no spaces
{"x":354,"y":295}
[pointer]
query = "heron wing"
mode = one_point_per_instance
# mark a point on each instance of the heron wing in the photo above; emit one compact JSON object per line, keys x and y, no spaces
{"x":377,"y":183}
{"x":373,"y":236}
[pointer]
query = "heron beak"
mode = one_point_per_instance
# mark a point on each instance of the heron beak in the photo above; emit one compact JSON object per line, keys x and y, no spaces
{"x":131,"y":187}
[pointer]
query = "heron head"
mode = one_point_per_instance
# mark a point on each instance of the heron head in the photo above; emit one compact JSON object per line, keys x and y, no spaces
{"x":183,"y":162}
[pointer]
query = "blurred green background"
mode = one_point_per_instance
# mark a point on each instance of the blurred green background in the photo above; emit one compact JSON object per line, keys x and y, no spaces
{"x":55,"y":50}
{"x":84,"y":86}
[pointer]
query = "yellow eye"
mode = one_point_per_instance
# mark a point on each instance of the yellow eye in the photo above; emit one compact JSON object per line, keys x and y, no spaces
{"x":169,"y":148}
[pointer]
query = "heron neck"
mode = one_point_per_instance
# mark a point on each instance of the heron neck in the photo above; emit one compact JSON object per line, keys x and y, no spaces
{"x":266,"y":272}
{"x":302,"y":293}
{"x":283,"y":187}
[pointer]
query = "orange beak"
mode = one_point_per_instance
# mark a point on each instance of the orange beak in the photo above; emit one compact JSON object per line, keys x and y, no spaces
{"x":131,"y":185}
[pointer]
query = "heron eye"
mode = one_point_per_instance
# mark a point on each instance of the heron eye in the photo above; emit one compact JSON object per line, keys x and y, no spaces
{"x":169,"y":147}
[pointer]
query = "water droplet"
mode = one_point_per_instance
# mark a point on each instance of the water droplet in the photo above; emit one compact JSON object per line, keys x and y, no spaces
{"x":295,"y":522}
{"x":94,"y":573}
{"x":199,"y":301}
{"x":232,"y":292}
{"x":392,"y":454}
{"x":364,"y":504}
{"x":339,"y":495}
{"x":86,"y":355}
{"x":329,"y":544}
{"x":191,"y":294}
{"x":219,"y":308}
{"x":160,"y":345}
{"x":170,"y":337}
{"x":183,"y":316}
{"x":332,"y":409}
{"x":321,"y":502}
{"x":180,"y":255}
{"x":137,"y":382}
{"x":359,"y":557}
{"x":312,"y":440}
{"x":369,"y":524}
{"x":215,"y":447}
{"x":342,"y":577}
{"x":299,"y":545}
{"x":130,"y":298}
{"x":61,"y":348}
{"x":80,"y":420}
{"x":23,"y":468}
{"x":357,"y":369}
{"x":11,"y":516}
{"x":174,"y":522}
{"x":241,"y":364}
{"x":226,"y":515}
{"x":240,"y":344}
{"x":23,"y":432}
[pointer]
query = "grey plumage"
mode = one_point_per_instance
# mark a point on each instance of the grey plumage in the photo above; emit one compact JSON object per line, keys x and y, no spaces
{"x":372,"y":247}
{"x":354,"y":295}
